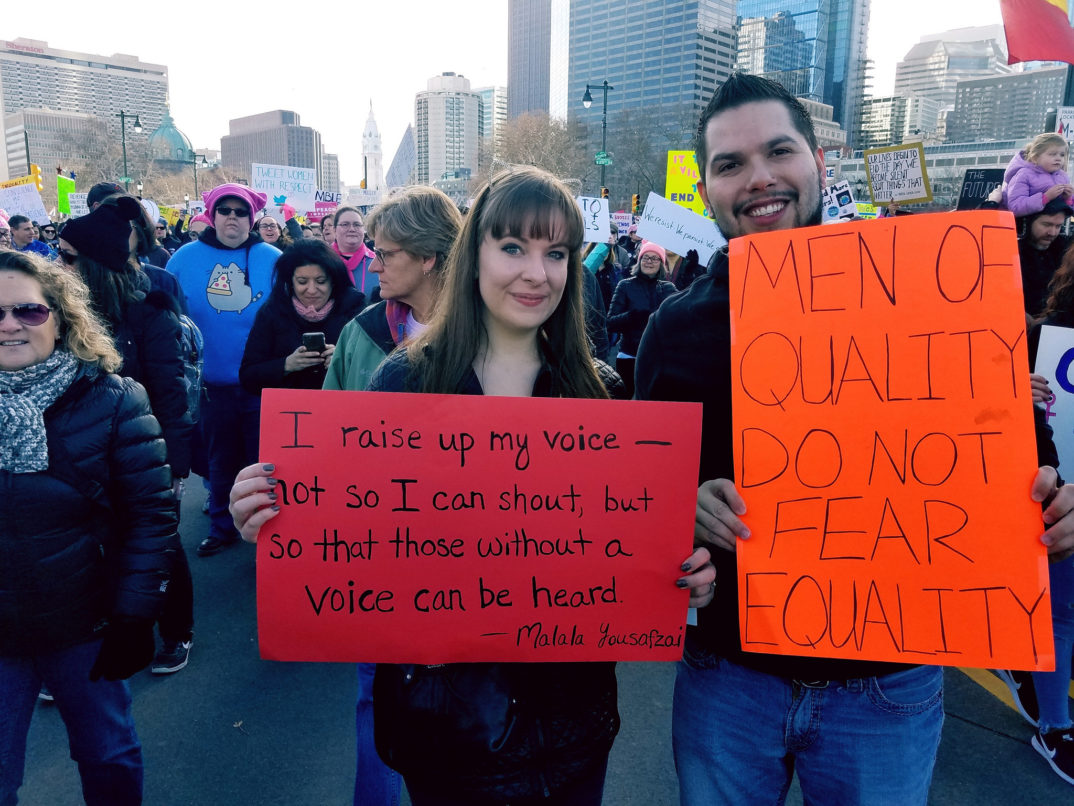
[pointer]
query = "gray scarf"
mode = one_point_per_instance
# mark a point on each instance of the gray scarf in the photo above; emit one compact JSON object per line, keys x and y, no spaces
{"x":24,"y":396}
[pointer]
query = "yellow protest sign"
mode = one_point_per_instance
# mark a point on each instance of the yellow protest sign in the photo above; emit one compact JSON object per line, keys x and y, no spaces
{"x":681,"y":187}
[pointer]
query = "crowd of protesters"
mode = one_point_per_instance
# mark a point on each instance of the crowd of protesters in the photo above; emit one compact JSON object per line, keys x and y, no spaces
{"x":103,"y":318}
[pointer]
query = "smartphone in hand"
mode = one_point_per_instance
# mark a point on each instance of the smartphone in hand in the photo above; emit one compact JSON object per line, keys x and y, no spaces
{"x":313,"y":342}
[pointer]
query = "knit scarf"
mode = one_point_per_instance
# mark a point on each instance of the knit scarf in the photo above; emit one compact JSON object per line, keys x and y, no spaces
{"x":24,"y":396}
{"x":311,"y":314}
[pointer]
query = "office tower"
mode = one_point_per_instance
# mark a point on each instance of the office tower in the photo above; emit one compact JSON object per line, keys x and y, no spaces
{"x":493,"y":116}
{"x":446,"y":117}
{"x":933,"y":67}
{"x":814,"y":48}
{"x":274,"y":138}
{"x":537,"y":56}
{"x":46,"y":138}
{"x":34,"y":76}
{"x":897,"y":119}
{"x":1007,"y":107}
{"x":329,"y":173}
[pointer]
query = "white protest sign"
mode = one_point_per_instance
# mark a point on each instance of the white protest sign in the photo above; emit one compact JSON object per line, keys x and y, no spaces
{"x":23,"y":200}
{"x":152,"y":208}
{"x":622,"y":222}
{"x":897,"y":173}
{"x":595,"y":215}
{"x":1064,"y":122}
{"x":1054,"y":358}
{"x":678,"y":229}
{"x":285,"y":184}
{"x":837,"y":203}
{"x":78,"y":204}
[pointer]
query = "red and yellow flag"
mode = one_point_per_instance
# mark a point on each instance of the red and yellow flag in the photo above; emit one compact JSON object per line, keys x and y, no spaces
{"x":1037,"y":30}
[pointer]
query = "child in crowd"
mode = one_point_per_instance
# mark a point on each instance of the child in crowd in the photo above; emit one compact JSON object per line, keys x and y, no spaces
{"x":1036,"y":176}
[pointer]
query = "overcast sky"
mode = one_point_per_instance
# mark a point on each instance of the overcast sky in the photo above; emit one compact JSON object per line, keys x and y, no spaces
{"x":328,"y":61}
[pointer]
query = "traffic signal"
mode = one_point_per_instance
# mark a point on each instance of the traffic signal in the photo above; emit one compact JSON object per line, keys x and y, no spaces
{"x":35,"y":172}
{"x":604,"y":193}
{"x":635,"y":204}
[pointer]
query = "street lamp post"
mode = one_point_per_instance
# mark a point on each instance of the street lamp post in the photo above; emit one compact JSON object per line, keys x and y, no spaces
{"x":587,"y":101}
{"x":123,"y":137}
{"x":196,"y":162}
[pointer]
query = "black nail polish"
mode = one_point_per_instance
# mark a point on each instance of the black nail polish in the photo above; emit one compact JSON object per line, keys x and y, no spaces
{"x":272,"y":482}
{"x":272,"y":496}
{"x":682,"y":583}
{"x":268,"y":468}
{"x":686,"y":566}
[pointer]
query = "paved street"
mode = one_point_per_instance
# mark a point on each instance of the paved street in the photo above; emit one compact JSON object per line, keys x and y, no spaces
{"x":233,"y":729}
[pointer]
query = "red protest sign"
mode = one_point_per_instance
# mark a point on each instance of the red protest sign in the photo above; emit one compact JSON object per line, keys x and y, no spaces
{"x":441,"y":528}
{"x":884,"y":444}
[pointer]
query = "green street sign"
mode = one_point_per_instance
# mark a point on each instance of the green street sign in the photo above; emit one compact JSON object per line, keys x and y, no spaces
{"x":601,"y":155}
{"x":605,"y":160}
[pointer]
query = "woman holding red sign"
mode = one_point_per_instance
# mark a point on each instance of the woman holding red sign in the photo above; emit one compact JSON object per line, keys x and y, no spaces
{"x":509,"y":322}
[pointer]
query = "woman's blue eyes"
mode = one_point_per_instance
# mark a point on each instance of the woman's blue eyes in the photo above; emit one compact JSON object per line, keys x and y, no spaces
{"x":515,"y":249}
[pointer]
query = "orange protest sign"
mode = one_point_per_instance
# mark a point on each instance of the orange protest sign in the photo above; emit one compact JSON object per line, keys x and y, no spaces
{"x":884,"y":444}
{"x":437,"y":528}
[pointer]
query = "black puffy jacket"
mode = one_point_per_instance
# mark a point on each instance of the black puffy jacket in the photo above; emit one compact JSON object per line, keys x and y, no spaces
{"x":89,"y":538}
{"x":634,"y":299}
{"x":150,"y":340}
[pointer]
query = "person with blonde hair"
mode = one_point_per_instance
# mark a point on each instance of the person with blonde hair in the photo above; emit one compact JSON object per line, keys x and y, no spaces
{"x":87,"y":524}
{"x":1037,"y":175}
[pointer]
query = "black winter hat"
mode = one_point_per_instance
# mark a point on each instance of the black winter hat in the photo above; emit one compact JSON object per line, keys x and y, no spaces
{"x":104,"y":234}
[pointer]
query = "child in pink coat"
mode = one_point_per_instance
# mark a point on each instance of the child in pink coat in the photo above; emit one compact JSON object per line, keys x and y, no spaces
{"x":1036,"y":176}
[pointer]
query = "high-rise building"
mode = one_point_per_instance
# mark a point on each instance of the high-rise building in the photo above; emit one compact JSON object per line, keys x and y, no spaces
{"x":402,"y":170}
{"x":1007,"y":107}
{"x":274,"y":138}
{"x":52,"y":138}
{"x":330,"y":173}
{"x":446,"y":118}
{"x":933,"y":67}
{"x":898,"y":119}
{"x":830,"y":135}
{"x":493,"y":115}
{"x":34,"y":76}
{"x":537,"y":56}
{"x":814,"y":48}
{"x":662,"y":56}
{"x":372,"y":154}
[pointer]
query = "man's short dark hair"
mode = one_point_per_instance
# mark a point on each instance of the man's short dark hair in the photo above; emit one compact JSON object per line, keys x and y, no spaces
{"x":741,"y":89}
{"x":17,"y":221}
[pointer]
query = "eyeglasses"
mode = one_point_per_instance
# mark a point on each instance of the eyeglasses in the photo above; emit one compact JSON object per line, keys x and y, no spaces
{"x":51,"y":231}
{"x":31,"y":314}
{"x":240,"y":212}
{"x":193,"y":235}
{"x":349,"y":225}
{"x":650,"y":258}
{"x":158,"y":228}
{"x":69,"y":258}
{"x":268,"y":225}
{"x":384,"y":254}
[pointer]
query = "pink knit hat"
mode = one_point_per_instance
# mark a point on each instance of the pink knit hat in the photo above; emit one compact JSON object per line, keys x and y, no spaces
{"x":656,"y":249}
{"x":254,"y":198}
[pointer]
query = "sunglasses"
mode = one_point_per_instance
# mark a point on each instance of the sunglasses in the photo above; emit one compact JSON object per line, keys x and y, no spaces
{"x":51,"y":231}
{"x":225,"y":211}
{"x":27,"y":313}
{"x":69,"y":258}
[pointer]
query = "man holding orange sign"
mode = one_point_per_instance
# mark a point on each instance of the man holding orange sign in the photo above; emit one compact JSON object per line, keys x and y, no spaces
{"x":830,"y":683}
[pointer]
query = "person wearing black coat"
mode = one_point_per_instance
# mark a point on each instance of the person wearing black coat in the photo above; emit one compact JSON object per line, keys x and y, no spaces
{"x":87,"y":522}
{"x":311,"y":294}
{"x":145,"y":327}
{"x":635,"y":298}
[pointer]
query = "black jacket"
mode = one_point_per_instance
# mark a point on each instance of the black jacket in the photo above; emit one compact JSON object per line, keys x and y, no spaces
{"x":277,"y":332}
{"x":565,"y":715}
{"x":149,"y":337}
{"x":634,"y":299}
{"x":1038,"y":266}
{"x":89,"y":538}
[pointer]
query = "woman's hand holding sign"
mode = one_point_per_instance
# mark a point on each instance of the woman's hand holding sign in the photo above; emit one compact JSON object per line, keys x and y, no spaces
{"x":253,"y":500}
{"x":716,"y":519}
{"x":1058,"y":503}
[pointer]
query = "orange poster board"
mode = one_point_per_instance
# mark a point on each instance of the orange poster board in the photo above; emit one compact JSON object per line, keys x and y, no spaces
{"x":439,"y":528}
{"x":884,"y":444}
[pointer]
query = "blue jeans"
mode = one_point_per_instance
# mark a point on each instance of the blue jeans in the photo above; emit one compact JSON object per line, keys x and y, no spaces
{"x":375,"y":783}
{"x":1053,"y":687}
{"x":739,"y":735}
{"x":100,"y":728}
{"x":231,"y":419}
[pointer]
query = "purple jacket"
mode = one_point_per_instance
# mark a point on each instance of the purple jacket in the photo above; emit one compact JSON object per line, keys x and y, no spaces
{"x":1024,"y":184}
